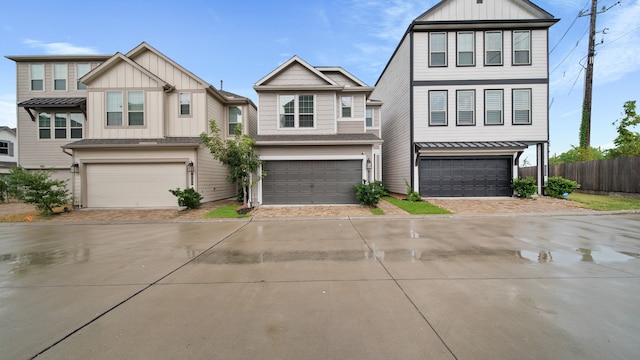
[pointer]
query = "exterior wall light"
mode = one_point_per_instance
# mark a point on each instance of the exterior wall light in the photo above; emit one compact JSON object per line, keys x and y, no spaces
{"x":75,"y":168}
{"x":190,"y":167}
{"x":368,"y":164}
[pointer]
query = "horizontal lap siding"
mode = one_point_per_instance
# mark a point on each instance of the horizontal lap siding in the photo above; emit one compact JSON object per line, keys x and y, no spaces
{"x":297,"y":74}
{"x":269,"y":114}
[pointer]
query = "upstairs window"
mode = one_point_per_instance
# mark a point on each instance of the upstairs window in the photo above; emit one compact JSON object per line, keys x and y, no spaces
{"x":346,"y":102}
{"x":59,"y":76}
{"x":185,"y":104}
{"x":114,"y":108}
{"x":235,"y":119}
{"x":369,"y":117}
{"x":493,"y":105}
{"x":6,"y":148}
{"x":438,"y":49}
{"x":438,"y":108}
{"x":521,"y":47}
{"x":522,"y":106}
{"x":493,"y":48}
{"x":60,"y":123}
{"x":135,"y":108}
{"x":76,"y":125}
{"x":466,"y":107}
{"x":287,"y":111}
{"x":37,"y":77}
{"x":466,"y":45}
{"x":306,"y":110}
{"x":297,"y":111}
{"x":82,"y":70}
{"x":44,"y":126}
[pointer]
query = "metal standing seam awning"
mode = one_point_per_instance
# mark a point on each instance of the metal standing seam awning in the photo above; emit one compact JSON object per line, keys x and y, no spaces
{"x":423,"y":147}
{"x":54,"y":103}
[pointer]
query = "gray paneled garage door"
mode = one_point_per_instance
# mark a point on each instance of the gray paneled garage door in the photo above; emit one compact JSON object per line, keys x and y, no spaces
{"x":468,"y":177}
{"x":311,"y":182}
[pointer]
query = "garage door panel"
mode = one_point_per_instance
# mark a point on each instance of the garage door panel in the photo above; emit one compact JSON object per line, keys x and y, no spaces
{"x":472,"y":177}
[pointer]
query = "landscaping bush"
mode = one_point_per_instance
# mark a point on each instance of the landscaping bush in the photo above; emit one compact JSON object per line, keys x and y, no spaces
{"x":36,"y":187}
{"x":187,"y":197}
{"x":3,"y":189}
{"x":370,"y":193}
{"x":525,"y":188}
{"x":559,"y":187}
{"x":412,"y":196}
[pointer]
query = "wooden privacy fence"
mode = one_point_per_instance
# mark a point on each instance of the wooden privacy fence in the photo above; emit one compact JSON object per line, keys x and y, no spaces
{"x":609,"y":175}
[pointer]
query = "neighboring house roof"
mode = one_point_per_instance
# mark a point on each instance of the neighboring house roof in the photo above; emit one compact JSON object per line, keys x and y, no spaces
{"x":32,"y":58}
{"x":472,"y":145}
{"x":52,"y":103}
{"x":6,"y":128}
{"x":119,"y":143}
{"x":337,"y":139}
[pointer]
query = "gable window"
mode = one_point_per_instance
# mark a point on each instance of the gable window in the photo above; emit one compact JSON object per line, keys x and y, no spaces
{"x":235,"y":119}
{"x":522,"y":106}
{"x":135,"y":107}
{"x":81,"y":70}
{"x":44,"y":126}
{"x":493,"y":105}
{"x":76,"y":125}
{"x":466,"y":53}
{"x":37,"y":77}
{"x":297,"y":111}
{"x":185,"y":104}
{"x":114,"y":108}
{"x":60,"y":123}
{"x":493,"y":48}
{"x":59,"y":76}
{"x":521,"y":47}
{"x":466,"y":107}
{"x":438,"y":107}
{"x":369,"y":117}
{"x":438,"y":49}
{"x":346,"y":102}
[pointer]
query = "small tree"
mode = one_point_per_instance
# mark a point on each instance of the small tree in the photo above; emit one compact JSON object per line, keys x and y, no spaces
{"x":628,"y":141}
{"x":37,"y":187}
{"x":238,"y":154}
{"x":3,"y":188}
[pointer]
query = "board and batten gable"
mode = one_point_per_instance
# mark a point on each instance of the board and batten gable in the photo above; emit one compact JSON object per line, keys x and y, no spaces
{"x":295,"y":75}
{"x":393,"y":89}
{"x":465,"y":10}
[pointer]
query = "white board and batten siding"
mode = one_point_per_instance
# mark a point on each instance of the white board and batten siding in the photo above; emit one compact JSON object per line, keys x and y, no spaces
{"x":296,"y":75}
{"x":393,"y":90}
{"x":488,"y":10}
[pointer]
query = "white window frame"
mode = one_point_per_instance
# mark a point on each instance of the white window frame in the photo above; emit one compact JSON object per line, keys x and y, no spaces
{"x":346,"y":106}
{"x":112,"y":111}
{"x":296,"y":111}
{"x":60,"y":74}
{"x":181,"y":97}
{"x":432,"y":94}
{"x":368,"y":117}
{"x":523,"y":46}
{"x":488,"y":108}
{"x":517,"y":106}
{"x":232,"y":125}
{"x":76,"y":118}
{"x":80,"y":72}
{"x":42,"y":117}
{"x":62,"y":128}
{"x":33,"y":78}
{"x":488,"y":49}
{"x":433,"y":52}
{"x":6,"y":148}
{"x":131,"y":111}
{"x":460,"y":109}
{"x":466,"y":51}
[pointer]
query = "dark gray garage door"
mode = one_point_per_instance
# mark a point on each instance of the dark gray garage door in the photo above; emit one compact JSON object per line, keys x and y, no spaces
{"x":469,"y":177}
{"x":311,"y":182}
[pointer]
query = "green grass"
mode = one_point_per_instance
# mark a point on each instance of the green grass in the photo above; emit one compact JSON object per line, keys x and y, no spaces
{"x":605,"y":202}
{"x":225,"y":212}
{"x":417,"y":208}
{"x":377,"y":211}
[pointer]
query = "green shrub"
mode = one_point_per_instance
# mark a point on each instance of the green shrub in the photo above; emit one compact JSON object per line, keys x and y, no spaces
{"x":525,"y":188}
{"x":187,"y":197}
{"x":559,"y":187}
{"x":36,"y":187}
{"x":370,"y":193}
{"x":412,"y":196}
{"x":3,"y":188}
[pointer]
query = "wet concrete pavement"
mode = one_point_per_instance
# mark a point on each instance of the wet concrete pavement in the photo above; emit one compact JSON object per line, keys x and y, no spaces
{"x":476,"y":287}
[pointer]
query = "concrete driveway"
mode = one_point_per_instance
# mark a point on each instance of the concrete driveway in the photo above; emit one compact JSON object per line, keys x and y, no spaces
{"x":473,"y":287}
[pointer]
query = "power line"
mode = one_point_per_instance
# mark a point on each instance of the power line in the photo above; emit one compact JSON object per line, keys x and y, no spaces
{"x":570,"y":51}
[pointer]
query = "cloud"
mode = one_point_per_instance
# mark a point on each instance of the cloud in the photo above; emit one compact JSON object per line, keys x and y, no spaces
{"x":60,"y":48}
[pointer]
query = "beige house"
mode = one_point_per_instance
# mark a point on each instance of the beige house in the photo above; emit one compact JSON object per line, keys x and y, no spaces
{"x":465,"y":93}
{"x":318,"y":134}
{"x":8,"y":153}
{"x":130,"y":127}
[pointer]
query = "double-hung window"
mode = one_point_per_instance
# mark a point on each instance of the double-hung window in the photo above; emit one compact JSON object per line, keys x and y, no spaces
{"x":76,"y":125}
{"x":44,"y":126}
{"x":466,"y":45}
{"x":6,"y":148}
{"x":521,"y":47}
{"x":438,"y":107}
{"x":493,"y":107}
{"x":493,"y":48}
{"x":369,"y":117}
{"x":59,"y":76}
{"x":135,"y":107}
{"x":522,"y":106}
{"x":346,"y":102}
{"x":297,"y":111}
{"x":235,"y":119}
{"x":60,"y":123}
{"x":185,"y":104}
{"x":114,"y":108}
{"x":438,"y":49}
{"x":37,"y":77}
{"x":466,"y":107}
{"x":81,"y":70}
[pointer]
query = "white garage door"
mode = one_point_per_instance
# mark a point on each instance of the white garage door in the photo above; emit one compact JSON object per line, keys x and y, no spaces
{"x":134,"y":185}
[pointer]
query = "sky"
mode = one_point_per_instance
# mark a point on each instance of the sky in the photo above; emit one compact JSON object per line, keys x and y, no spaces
{"x":239,"y":42}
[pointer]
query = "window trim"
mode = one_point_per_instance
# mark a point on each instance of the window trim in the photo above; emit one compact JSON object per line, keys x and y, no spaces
{"x":40,"y":127}
{"x":68,"y":128}
{"x":431,"y":52}
{"x":513,"y":48}
{"x":60,"y":77}
{"x":8,"y":145}
{"x":473,"y":104}
{"x":513,"y":106}
{"x":486,"y":108}
{"x":368,"y":111}
{"x":180,"y":103}
{"x":124,"y":115}
{"x":229,"y":123}
{"x":130,"y":111}
{"x":57,"y":128}
{"x":296,"y":112}
{"x":473,"y":48}
{"x":31,"y":78}
{"x":347,"y":107}
{"x":446,"y":107}
{"x":486,"y":48}
{"x":72,"y":128}
{"x":79,"y":85}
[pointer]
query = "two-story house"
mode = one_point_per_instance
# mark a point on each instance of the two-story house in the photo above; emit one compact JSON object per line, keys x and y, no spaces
{"x":318,"y":134}
{"x":127,"y":126}
{"x":8,"y":156}
{"x":465,"y":93}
